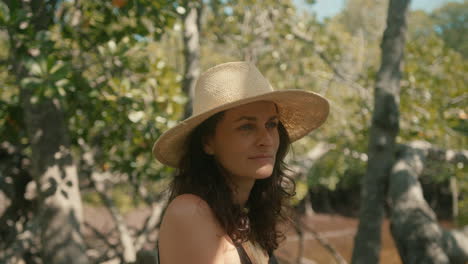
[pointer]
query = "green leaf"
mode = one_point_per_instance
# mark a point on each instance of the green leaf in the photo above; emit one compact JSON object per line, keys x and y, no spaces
{"x":4,"y":14}
{"x":31,"y":82}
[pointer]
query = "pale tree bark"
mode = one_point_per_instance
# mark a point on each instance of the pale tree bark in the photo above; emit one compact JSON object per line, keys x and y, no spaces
{"x":383,"y":131}
{"x":130,"y":247}
{"x":414,"y":226}
{"x":304,"y":209}
{"x":191,"y":39}
{"x":59,"y":212}
{"x":126,"y":240}
{"x":454,"y":193}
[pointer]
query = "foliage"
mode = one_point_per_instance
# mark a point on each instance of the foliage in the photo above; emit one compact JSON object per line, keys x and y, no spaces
{"x":115,"y":66}
{"x":451,"y":24}
{"x":97,"y":60}
{"x":462,"y":180}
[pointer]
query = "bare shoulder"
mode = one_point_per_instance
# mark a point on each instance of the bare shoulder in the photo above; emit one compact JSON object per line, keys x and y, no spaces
{"x":188,"y":205}
{"x":190,"y":232}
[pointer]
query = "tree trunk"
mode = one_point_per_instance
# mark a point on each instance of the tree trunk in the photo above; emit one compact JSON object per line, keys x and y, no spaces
{"x":15,"y":208}
{"x":383,"y":131}
{"x":454,"y":193}
{"x":413,"y":223}
{"x":191,"y":38}
{"x":59,"y":212}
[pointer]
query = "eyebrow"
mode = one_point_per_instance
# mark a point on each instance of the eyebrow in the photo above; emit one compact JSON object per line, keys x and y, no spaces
{"x":252,"y":118}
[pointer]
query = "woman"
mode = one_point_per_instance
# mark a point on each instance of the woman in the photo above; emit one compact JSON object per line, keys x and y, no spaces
{"x":231,"y":189}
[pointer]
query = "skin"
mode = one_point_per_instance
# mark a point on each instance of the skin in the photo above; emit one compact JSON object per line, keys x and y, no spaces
{"x":245,"y":143}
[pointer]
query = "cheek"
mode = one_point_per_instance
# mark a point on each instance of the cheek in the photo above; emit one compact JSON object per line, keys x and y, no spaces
{"x":234,"y":149}
{"x":232,"y":153}
{"x":276,"y":142}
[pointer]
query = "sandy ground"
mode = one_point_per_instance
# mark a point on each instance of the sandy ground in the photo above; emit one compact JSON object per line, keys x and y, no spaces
{"x":339,"y":231}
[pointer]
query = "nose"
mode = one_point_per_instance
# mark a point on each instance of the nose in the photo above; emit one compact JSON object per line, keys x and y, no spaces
{"x":266,"y":137}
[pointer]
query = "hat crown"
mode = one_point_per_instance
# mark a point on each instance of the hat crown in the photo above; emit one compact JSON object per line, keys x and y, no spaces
{"x":227,"y":83}
{"x":230,"y":85}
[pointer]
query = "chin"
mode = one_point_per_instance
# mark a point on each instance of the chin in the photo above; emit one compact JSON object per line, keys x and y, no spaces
{"x":264,"y":172}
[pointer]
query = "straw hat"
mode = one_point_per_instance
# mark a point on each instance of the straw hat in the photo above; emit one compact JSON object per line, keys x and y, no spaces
{"x":233,"y":84}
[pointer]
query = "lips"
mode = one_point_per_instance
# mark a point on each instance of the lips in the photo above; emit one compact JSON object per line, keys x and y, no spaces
{"x":262,"y":159}
{"x":261,"y":156}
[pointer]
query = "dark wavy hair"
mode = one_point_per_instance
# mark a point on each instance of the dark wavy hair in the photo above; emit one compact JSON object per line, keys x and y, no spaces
{"x":267,"y":205}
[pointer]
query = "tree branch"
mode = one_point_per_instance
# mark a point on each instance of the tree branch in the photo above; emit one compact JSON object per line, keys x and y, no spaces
{"x":129,"y":252}
{"x":101,"y":236}
{"x":319,"y":50}
{"x":301,"y":36}
{"x":418,"y":236}
{"x":322,"y":241}
{"x":151,"y":223}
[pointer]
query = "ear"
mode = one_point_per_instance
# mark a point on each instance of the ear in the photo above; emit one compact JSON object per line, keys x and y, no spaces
{"x":208,"y":146}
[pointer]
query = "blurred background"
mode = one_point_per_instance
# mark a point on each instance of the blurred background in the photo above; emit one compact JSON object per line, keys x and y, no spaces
{"x":86,"y":87}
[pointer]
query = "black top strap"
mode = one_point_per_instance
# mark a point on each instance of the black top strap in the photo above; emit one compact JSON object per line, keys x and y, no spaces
{"x":244,"y":258}
{"x":157,"y":252}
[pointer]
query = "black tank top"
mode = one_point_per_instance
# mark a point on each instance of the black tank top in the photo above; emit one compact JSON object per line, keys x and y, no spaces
{"x":244,"y":258}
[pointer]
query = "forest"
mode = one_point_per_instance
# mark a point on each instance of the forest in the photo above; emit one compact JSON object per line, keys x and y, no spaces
{"x":88,"y":86}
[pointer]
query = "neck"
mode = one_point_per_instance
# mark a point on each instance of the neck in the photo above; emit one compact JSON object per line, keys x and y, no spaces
{"x":241,"y":189}
{"x":240,"y":186}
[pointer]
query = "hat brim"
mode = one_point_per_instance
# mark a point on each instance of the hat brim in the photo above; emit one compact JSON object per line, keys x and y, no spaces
{"x":299,"y":111}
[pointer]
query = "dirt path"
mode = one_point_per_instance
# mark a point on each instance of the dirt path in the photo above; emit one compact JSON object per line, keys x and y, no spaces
{"x":339,"y":231}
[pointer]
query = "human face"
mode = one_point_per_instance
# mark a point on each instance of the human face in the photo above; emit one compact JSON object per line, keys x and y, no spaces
{"x":246,"y":140}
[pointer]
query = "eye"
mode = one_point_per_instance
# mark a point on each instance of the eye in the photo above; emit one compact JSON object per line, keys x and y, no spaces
{"x":272,"y":124}
{"x":247,"y":127}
